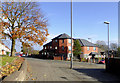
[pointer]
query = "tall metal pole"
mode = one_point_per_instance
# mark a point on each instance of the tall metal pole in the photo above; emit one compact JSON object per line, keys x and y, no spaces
{"x":108,"y":42}
{"x":71,"y":64}
{"x":107,"y":65}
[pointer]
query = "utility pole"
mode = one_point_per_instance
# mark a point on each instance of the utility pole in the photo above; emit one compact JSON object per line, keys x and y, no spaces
{"x":71,"y":63}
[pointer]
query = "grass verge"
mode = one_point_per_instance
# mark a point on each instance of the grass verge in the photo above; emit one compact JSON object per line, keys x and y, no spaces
{"x":6,"y":59}
{"x":9,"y":64}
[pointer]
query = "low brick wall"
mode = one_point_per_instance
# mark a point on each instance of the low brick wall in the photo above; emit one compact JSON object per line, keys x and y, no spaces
{"x":113,"y":65}
{"x":58,"y":58}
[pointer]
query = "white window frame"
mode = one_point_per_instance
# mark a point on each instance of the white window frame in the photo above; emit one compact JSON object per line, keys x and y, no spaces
{"x":69,"y":41}
{"x":45,"y":47}
{"x":69,"y":48}
{"x":88,"y":48}
{"x":45,"y":53}
{"x":55,"y":47}
{"x":94,"y":48}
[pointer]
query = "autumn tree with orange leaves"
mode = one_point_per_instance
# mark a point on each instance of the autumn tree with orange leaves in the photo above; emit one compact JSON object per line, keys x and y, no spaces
{"x":23,"y":21}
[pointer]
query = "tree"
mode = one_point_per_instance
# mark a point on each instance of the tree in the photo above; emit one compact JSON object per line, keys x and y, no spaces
{"x":113,"y":46}
{"x":102,"y":45}
{"x":118,"y":52}
{"x":26,"y":48}
{"x":35,"y":52}
{"x":23,"y":21}
{"x":77,"y":48}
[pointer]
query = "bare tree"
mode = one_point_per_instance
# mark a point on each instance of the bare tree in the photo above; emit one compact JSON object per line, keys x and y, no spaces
{"x":113,"y":46}
{"x":102,"y":45}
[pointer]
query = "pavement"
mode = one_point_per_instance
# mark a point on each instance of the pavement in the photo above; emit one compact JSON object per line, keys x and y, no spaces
{"x":55,"y":70}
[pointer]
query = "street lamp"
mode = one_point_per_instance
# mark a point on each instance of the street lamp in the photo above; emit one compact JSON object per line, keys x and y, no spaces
{"x":108,"y":36}
{"x":90,"y":39}
{"x":71,"y":62}
{"x":107,"y":65}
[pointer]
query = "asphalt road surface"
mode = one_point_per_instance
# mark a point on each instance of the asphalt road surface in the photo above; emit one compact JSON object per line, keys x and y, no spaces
{"x":54,"y":70}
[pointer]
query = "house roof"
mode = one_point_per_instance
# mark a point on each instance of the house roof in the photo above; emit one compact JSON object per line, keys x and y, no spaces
{"x":84,"y":42}
{"x":62,"y":36}
{"x":48,"y":44}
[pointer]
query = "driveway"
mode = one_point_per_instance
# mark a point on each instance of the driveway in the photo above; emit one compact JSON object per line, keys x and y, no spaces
{"x":51,"y":70}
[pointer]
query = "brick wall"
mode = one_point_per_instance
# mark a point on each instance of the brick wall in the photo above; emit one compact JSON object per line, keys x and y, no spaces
{"x":58,"y":58}
{"x":55,"y":44}
{"x":114,"y":65}
{"x":85,"y":51}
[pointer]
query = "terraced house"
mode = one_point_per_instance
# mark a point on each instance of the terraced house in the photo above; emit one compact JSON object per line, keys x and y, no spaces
{"x":60,"y":48}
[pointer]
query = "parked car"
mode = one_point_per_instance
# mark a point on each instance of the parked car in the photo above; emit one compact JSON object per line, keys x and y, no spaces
{"x":23,"y":55}
{"x":102,"y":61}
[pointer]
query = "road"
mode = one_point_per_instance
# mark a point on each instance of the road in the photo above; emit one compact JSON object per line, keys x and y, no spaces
{"x":51,"y":70}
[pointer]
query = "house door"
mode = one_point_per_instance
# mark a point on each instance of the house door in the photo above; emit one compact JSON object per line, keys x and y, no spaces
{"x":3,"y":52}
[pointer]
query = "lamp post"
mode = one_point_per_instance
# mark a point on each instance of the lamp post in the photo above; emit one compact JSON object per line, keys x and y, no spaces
{"x":71,"y":62}
{"x":107,"y":65}
{"x":108,"y":36}
{"x":90,"y":39}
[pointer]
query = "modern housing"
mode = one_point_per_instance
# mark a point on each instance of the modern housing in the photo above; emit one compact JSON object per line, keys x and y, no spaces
{"x":60,"y":48}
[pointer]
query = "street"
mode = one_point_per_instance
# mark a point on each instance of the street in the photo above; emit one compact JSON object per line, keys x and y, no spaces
{"x":54,"y":70}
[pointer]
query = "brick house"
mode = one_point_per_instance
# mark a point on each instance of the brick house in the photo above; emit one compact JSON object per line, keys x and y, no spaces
{"x":60,"y":48}
{"x":88,"y":48}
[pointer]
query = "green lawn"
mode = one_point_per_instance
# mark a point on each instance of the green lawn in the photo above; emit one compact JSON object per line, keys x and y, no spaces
{"x":4,"y":59}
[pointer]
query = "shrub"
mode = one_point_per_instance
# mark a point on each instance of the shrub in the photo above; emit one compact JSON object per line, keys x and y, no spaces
{"x":7,"y":53}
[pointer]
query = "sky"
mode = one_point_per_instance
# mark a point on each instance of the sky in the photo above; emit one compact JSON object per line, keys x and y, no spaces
{"x":88,"y":20}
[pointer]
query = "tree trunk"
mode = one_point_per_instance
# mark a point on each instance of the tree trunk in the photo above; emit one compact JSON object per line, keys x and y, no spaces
{"x":13,"y":48}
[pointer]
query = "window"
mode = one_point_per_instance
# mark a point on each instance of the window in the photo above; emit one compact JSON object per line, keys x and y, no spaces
{"x":68,"y":56}
{"x":45,"y":47}
{"x":56,"y":47}
{"x":56,"y":40}
{"x":50,"y":46}
{"x":94,"y":48}
{"x":69,"y":40}
{"x":69,"y":47}
{"x":63,"y":41}
{"x":42,"y":53}
{"x":62,"y":48}
{"x":88,"y":48}
{"x":45,"y":53}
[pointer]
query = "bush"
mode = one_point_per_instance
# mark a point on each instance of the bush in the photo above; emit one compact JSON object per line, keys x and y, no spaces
{"x":83,"y":59}
{"x":7,"y":53}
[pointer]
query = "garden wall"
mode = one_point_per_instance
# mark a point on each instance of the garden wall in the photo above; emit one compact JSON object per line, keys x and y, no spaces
{"x":113,"y":65}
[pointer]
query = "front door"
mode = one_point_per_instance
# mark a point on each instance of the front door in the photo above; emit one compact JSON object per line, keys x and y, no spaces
{"x":3,"y":52}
